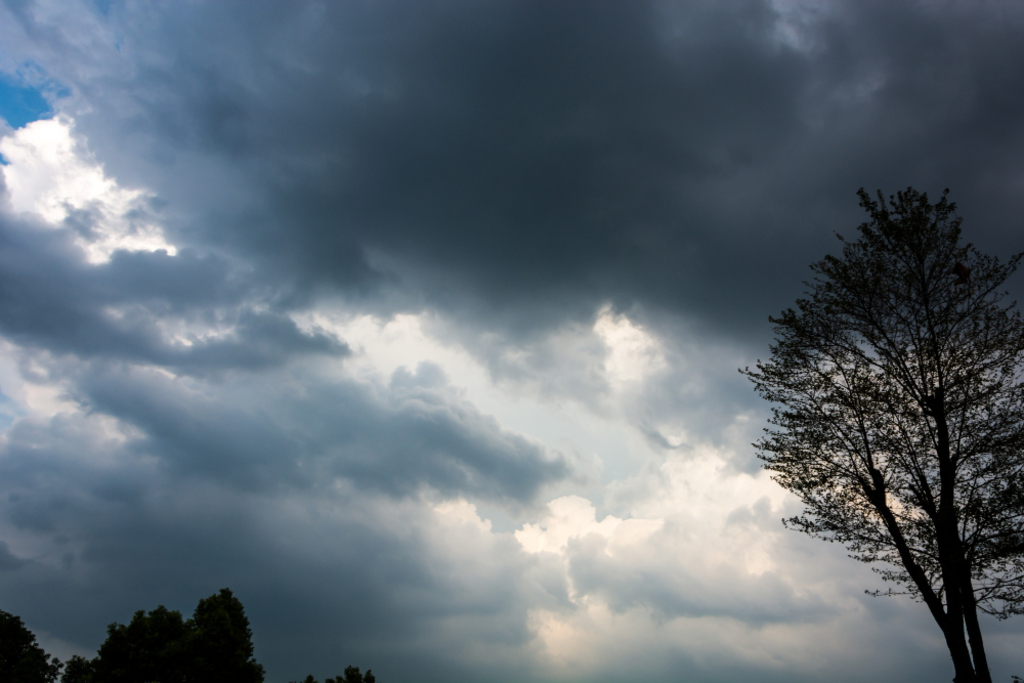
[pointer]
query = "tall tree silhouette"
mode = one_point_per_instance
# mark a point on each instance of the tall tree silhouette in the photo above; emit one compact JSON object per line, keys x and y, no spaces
{"x":899,"y":416}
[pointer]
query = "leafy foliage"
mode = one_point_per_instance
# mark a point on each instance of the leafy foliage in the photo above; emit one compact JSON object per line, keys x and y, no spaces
{"x":352,"y":675}
{"x":21,"y":658}
{"x":152,"y":647}
{"x":78,"y":669}
{"x":898,"y":419}
{"x":214,"y":646}
{"x":219,"y":643}
{"x":161,"y":647}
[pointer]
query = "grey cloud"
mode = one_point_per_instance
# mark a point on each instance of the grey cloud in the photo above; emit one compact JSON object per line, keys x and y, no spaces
{"x":670,"y":592}
{"x":305,"y":432}
{"x":51,"y":298}
{"x":328,"y":577}
{"x":514,"y":157}
{"x":8,"y":560}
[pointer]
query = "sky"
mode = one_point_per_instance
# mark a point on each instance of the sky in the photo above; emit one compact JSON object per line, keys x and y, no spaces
{"x":417,"y":323}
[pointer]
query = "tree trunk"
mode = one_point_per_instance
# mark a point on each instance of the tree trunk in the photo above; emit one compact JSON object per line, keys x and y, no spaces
{"x":950,"y":619}
{"x":955,"y":612}
{"x":974,"y":630}
{"x":950,"y":549}
{"x":963,"y":669}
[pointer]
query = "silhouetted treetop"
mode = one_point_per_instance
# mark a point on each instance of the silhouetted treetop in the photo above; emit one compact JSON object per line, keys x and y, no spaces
{"x":22,"y":660}
{"x":351,"y":675}
{"x":898,"y":385}
{"x":214,"y":646}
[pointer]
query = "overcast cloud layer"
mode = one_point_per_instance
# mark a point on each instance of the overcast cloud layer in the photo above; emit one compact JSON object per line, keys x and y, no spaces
{"x":417,"y":323}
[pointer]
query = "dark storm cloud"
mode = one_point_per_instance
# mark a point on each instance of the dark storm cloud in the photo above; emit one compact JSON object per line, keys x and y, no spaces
{"x":8,"y":560}
{"x":50,"y":298}
{"x":526,"y":160}
{"x":412,"y":433}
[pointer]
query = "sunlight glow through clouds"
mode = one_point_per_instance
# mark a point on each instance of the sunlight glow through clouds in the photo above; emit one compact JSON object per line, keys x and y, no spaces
{"x":50,"y":173}
{"x":519,"y":401}
{"x":461,"y":511}
{"x":713,"y":507}
{"x":575,"y":517}
{"x":694,"y":525}
{"x":633,"y":354}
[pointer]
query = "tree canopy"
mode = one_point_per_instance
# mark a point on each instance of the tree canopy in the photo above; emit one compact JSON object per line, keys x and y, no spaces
{"x":160,"y":646}
{"x":22,"y":660}
{"x":219,"y":645}
{"x":351,"y":675}
{"x":151,"y":647}
{"x":899,"y":415}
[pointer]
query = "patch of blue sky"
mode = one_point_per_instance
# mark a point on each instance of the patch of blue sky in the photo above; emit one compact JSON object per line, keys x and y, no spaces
{"x":25,"y":100}
{"x":9,"y":411}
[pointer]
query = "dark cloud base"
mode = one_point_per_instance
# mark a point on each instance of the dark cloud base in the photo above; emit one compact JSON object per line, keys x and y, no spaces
{"x":521,"y":157}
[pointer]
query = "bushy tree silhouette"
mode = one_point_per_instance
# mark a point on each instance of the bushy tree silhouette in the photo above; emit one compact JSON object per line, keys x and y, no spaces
{"x":351,"y":675}
{"x":21,"y":658}
{"x":151,"y":647}
{"x":215,"y":645}
{"x":219,"y":643}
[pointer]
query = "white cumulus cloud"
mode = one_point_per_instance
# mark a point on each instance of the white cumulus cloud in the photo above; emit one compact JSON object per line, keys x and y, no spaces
{"x":50,"y":173}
